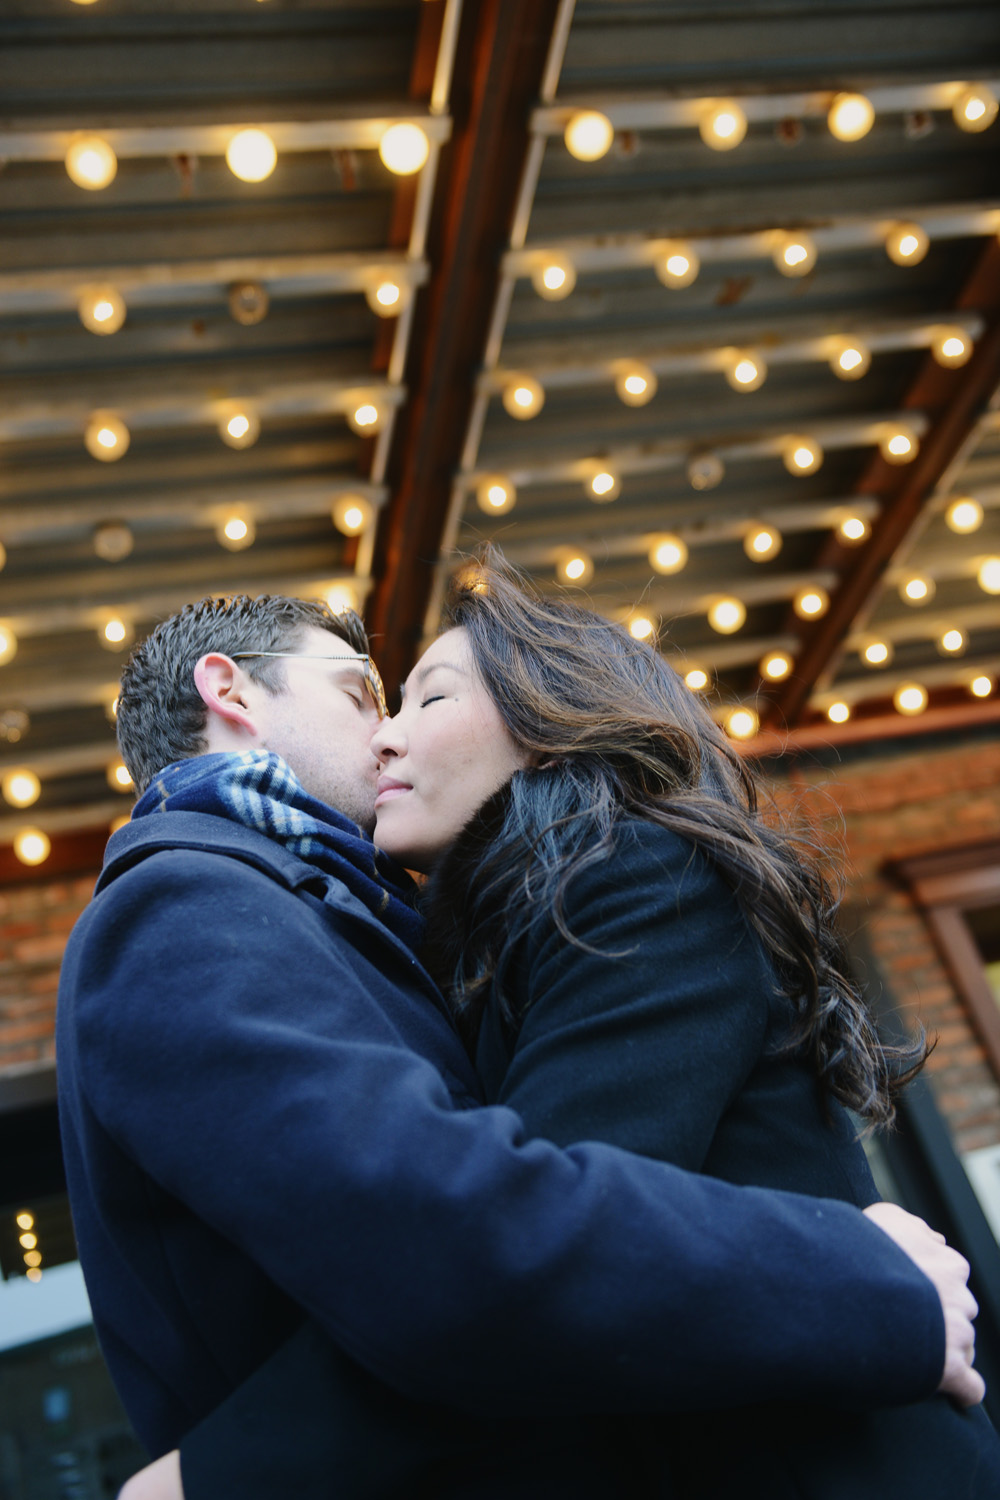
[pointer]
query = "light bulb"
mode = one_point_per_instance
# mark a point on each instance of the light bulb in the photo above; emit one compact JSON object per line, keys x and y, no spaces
{"x":635,"y":384}
{"x":705,"y":471}
{"x":604,"y":484}
{"x":239,"y":427}
{"x":404,"y":148}
{"x":811,"y":602}
{"x":495,"y":495}
{"x":676,"y":264}
{"x":727,"y":615}
{"x":906,"y":244}
{"x":839,"y":712}
{"x":668,"y":554}
{"x":641,"y":627}
{"x":696,"y":679}
{"x":118,"y":777}
{"x":964,"y":515}
{"x":32,"y":847}
{"x":588,"y":135}
{"x":981,"y":687}
{"x":723,"y":125}
{"x":25,"y":1219}
{"x":21,"y":788}
{"x":951,"y":642}
{"x":523,"y":397}
{"x":975,"y":108}
{"x":113,"y":541}
{"x":917,"y":588}
{"x":762,"y":542}
{"x":898,"y":444}
{"x":248,"y":302}
{"x":988,"y":576}
{"x":91,"y":162}
{"x":387,"y":294}
{"x":366,"y":417}
{"x":775,"y":666}
{"x":951,"y":347}
{"x":106,"y":437}
{"x":877,"y":654}
{"x":236,"y":531}
{"x":101,"y":309}
{"x":910,"y":698}
{"x":251,"y":155}
{"x":8,"y":650}
{"x":794,"y":254}
{"x":115,"y":633}
{"x":745,"y":371}
{"x":851,"y":116}
{"x":801,"y":455}
{"x":352,"y":514}
{"x":849,"y":358}
{"x":742,"y":723}
{"x":553,"y":277}
{"x":853,"y":529}
{"x":574,"y":567}
{"x":341,"y":597}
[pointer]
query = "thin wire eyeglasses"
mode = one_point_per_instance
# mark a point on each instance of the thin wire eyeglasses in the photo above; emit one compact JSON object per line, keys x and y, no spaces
{"x":371,"y":673}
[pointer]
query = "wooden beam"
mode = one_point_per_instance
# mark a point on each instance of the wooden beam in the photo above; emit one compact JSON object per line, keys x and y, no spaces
{"x":956,"y":400}
{"x":500,"y":61}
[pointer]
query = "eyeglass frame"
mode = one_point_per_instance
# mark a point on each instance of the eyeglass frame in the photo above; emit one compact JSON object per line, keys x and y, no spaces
{"x":372,"y":677}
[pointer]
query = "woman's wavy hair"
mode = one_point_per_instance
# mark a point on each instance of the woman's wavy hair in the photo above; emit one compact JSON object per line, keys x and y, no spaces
{"x":613,"y":732}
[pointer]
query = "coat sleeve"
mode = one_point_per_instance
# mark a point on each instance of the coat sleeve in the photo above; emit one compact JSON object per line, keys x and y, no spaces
{"x":644,"y":1034}
{"x":449,"y":1255}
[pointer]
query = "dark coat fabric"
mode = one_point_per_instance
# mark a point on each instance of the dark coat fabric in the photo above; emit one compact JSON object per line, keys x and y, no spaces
{"x":266,"y":1111}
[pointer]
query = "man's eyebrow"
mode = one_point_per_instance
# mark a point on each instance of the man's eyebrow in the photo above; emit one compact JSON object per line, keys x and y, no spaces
{"x":419,"y":676}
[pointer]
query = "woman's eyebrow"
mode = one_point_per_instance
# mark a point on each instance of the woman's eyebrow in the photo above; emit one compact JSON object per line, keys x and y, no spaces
{"x":421,"y":674}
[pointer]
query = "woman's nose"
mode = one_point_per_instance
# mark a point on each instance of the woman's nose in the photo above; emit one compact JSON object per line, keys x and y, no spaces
{"x":385,"y":742}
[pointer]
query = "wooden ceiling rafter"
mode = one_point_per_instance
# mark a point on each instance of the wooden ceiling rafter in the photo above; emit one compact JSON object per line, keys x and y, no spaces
{"x":956,"y":402}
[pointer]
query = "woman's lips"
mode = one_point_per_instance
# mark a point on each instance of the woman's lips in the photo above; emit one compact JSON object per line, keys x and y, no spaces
{"x":387,"y":789}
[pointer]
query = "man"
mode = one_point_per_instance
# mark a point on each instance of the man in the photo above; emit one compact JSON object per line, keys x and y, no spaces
{"x":267,"y":1113}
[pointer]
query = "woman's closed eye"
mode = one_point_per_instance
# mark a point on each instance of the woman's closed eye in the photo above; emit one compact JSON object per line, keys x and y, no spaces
{"x":437,"y":698}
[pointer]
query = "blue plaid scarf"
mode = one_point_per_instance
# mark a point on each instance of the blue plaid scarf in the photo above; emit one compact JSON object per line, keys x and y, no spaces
{"x":261,"y":791}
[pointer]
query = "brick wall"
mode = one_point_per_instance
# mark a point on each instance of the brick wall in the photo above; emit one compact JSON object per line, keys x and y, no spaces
{"x":35,"y":920}
{"x":879,"y":808}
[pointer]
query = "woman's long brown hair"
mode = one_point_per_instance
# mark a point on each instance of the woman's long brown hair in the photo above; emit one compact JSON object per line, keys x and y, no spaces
{"x":614,"y":733}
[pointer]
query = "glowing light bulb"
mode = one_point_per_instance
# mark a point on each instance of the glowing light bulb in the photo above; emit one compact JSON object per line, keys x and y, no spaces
{"x":21,"y":788}
{"x":387,"y":295}
{"x":762,"y":542}
{"x":8,"y":649}
{"x":404,"y":148}
{"x":668,"y":554}
{"x":853,"y":529}
{"x":744,"y":371}
{"x":25,"y":1219}
{"x":975,"y":108}
{"x":723,"y":125}
{"x":849,"y":358}
{"x":101,"y":309}
{"x":981,"y":687}
{"x":106,"y":437}
{"x":251,"y":155}
{"x":553,"y":277}
{"x":964,"y":515}
{"x":877,"y":654}
{"x":115,"y":632}
{"x":495,"y":495}
{"x":604,"y":485}
{"x":794,"y":254}
{"x":33,"y":1273}
{"x":352,"y":514}
{"x":952,"y":642}
{"x":851,"y":116}
{"x":951,"y":347}
{"x":32,"y":847}
{"x":635,"y":384}
{"x":696,"y":679}
{"x":775,"y":666}
{"x":641,"y":627}
{"x":239,"y":426}
{"x":910,"y":698}
{"x":523,"y":397}
{"x":801,"y":455}
{"x":839,"y":712}
{"x":906,"y":244}
{"x":588,"y":135}
{"x":91,"y":162}
{"x":118,"y":777}
{"x":898,"y":444}
{"x":917,"y":588}
{"x":988,"y":576}
{"x":236,"y":532}
{"x":367,"y":417}
{"x":742,"y":723}
{"x":32,"y":1258}
{"x":809,"y":603}
{"x":676,"y":264}
{"x":727,"y":615}
{"x":574,"y":567}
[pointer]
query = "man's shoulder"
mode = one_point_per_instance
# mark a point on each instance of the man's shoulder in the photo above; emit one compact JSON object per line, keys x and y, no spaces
{"x":198,"y":837}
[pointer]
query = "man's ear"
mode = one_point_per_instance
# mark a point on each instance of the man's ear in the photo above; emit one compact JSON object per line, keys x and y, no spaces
{"x":222,"y":687}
